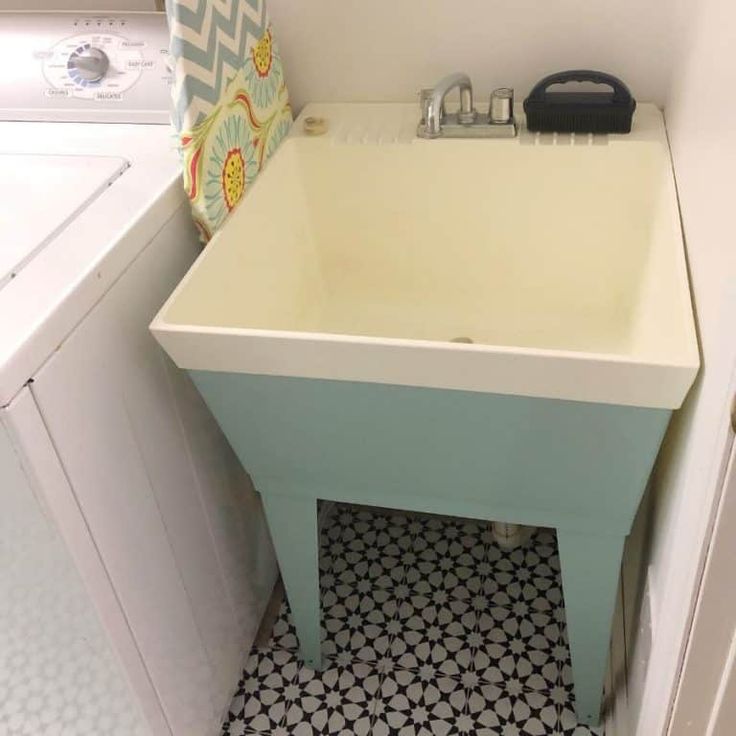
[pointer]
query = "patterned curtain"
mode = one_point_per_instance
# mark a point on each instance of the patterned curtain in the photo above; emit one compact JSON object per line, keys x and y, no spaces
{"x":230,"y":102}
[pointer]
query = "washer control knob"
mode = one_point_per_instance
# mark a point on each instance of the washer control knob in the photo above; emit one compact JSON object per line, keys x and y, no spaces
{"x":91,"y":63}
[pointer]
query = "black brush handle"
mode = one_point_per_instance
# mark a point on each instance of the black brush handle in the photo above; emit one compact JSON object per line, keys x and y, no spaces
{"x":621,"y":93}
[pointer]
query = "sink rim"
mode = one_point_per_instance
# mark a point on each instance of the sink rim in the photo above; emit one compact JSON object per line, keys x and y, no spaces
{"x":532,"y":372}
{"x":160,"y":325}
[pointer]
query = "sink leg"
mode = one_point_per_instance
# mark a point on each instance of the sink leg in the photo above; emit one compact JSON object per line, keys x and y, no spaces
{"x":295,"y":534}
{"x":590,"y":573}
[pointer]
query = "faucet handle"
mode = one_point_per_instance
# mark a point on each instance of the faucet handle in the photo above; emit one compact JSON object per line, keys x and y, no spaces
{"x":501,"y":109}
{"x":425,"y":97}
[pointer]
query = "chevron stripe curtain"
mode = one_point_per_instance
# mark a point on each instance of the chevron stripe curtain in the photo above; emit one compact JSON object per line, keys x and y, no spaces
{"x":230,"y":102}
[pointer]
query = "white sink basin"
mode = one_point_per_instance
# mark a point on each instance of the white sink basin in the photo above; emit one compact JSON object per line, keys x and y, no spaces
{"x":359,"y":255}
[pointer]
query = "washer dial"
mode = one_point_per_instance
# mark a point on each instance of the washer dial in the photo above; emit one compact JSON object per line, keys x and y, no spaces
{"x":98,"y":65}
{"x":87,"y":63}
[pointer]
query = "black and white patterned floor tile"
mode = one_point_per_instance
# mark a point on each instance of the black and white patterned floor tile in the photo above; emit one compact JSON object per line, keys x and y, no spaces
{"x":428,"y":629}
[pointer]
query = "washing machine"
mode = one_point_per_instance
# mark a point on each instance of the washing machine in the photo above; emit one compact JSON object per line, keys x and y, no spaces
{"x":118,"y":485}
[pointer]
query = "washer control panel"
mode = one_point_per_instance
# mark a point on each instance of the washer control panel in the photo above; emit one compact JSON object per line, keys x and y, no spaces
{"x":66,"y":66}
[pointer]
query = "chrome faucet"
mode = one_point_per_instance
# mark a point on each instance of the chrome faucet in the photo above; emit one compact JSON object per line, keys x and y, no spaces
{"x":435,"y":102}
{"x":466,"y":122}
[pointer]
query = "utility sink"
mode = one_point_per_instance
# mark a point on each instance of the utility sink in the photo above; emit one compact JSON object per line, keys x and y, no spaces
{"x":495,"y":329}
{"x":363,"y":253}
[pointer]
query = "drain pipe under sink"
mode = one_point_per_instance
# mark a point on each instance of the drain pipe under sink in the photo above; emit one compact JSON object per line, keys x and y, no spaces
{"x":510,"y":536}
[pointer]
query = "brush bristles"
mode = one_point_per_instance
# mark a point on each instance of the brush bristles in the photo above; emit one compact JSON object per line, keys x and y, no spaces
{"x":610,"y":121}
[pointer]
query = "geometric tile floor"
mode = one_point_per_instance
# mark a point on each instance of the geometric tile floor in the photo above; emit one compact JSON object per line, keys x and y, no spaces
{"x":429,"y":629}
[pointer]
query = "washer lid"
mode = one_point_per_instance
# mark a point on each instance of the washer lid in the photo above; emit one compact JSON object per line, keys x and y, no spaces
{"x":40,"y":195}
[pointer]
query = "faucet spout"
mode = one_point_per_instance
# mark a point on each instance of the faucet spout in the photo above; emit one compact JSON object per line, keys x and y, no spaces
{"x":436,"y":101}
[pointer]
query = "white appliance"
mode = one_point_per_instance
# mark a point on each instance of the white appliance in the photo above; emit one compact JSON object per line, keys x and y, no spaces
{"x":104,"y":444}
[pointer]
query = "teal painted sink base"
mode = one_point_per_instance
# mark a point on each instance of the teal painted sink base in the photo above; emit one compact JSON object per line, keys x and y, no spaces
{"x":578,"y":467}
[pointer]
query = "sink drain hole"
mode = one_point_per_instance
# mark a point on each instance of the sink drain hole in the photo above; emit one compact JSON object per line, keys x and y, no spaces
{"x":466,"y":340}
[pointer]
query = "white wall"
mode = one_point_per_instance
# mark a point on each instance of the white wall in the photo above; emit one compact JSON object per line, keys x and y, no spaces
{"x":701,"y":118}
{"x":355,"y":50}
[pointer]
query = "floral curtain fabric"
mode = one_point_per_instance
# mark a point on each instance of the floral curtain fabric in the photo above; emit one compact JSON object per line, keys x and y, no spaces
{"x":230,"y":102}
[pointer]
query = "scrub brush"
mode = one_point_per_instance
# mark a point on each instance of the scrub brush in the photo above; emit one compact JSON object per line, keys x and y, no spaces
{"x":580,"y":112}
